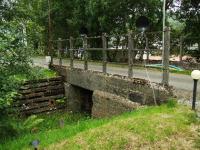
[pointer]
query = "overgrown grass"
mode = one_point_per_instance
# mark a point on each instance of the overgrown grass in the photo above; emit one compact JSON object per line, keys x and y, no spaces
{"x":166,"y":127}
{"x":50,"y":131}
{"x":151,"y":128}
{"x":35,"y":73}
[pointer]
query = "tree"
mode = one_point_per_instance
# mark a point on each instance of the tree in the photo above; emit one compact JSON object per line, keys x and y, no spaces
{"x":189,"y":14}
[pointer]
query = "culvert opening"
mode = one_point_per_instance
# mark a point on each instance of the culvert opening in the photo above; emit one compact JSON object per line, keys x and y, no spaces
{"x":82,"y":98}
{"x":86,"y":101}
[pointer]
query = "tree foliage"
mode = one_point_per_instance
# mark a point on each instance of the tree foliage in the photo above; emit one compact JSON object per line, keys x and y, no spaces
{"x":14,"y":54}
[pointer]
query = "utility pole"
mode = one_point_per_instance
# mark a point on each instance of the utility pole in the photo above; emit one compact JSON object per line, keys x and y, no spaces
{"x":50,"y":33}
{"x":164,"y":17}
{"x":165,"y":56}
{"x":163,"y":27}
{"x":166,"y":48}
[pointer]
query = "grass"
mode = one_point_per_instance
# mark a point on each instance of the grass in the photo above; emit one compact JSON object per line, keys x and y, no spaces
{"x":51,"y":132}
{"x":185,"y":72}
{"x":162,"y":127}
{"x":35,"y":73}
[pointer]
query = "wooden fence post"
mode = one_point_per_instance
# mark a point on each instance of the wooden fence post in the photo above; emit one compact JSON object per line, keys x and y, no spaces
{"x":104,"y":40}
{"x":71,"y":52}
{"x":181,"y":49}
{"x":50,"y":52}
{"x":130,"y":55}
{"x":165,"y":56}
{"x":60,"y":51}
{"x":85,"y":52}
{"x":147,"y":48}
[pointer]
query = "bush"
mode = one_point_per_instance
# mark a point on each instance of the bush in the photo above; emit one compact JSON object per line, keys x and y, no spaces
{"x":15,"y":59}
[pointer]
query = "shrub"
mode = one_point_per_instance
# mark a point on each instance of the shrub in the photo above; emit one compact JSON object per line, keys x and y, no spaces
{"x":15,"y":58}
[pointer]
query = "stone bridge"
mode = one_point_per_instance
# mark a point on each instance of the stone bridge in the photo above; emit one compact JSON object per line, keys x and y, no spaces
{"x":103,"y":95}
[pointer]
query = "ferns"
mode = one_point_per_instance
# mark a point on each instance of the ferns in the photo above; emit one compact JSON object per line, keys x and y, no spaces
{"x":31,"y":122}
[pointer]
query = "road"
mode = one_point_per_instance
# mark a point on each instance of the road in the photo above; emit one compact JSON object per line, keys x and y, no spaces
{"x":178,"y":81}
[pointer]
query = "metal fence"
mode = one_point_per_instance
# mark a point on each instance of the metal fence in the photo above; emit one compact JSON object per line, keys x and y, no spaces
{"x":129,"y":44}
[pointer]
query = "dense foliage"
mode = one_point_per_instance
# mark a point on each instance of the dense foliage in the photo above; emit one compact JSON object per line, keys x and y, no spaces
{"x":16,"y":49}
{"x":68,"y":17}
{"x":14,"y":59}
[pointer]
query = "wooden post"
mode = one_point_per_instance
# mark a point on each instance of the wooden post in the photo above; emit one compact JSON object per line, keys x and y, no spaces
{"x":130,"y":55}
{"x":181,"y":49}
{"x":165,"y":56}
{"x":85,"y":52}
{"x":147,"y":48}
{"x":51,"y":52}
{"x":71,"y":52}
{"x":60,"y":51}
{"x":104,"y":40}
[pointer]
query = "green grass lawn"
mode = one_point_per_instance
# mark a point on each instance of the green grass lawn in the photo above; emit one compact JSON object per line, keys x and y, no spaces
{"x":160,"y":127}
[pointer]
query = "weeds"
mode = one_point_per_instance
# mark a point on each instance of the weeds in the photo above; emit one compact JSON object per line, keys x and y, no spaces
{"x":144,"y":127}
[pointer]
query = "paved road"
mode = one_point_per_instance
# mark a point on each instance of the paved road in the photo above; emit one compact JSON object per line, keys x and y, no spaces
{"x":178,"y":81}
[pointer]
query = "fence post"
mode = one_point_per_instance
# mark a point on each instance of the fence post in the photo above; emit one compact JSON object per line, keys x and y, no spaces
{"x":130,"y":55}
{"x":59,"y":51}
{"x":181,"y":49}
{"x":71,"y":52}
{"x":50,"y":52}
{"x":147,"y":48}
{"x":85,"y":52}
{"x":165,"y":59}
{"x":104,"y":40}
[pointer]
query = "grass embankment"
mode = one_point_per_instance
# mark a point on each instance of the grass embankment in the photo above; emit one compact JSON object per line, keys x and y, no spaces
{"x":161,"y":127}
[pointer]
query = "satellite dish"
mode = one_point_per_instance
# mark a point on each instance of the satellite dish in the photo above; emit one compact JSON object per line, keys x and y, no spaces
{"x":142,"y":23}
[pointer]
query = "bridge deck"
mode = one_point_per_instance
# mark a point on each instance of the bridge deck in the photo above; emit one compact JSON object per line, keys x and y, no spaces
{"x":179,"y":81}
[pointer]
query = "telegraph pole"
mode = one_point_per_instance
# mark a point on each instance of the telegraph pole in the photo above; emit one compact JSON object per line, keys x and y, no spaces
{"x":166,"y":48}
{"x":164,"y":16}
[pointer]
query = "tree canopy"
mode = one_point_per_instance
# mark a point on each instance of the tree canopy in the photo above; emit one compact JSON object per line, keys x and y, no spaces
{"x":97,"y":16}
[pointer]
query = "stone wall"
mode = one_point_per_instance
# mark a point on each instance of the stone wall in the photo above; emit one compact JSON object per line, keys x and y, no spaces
{"x":40,"y":96}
